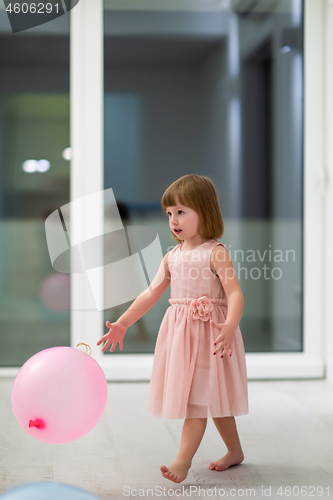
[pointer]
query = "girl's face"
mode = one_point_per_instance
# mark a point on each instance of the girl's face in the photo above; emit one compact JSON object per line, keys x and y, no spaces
{"x":183,"y":221}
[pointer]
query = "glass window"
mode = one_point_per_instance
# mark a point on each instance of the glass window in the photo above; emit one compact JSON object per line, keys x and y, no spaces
{"x":215,"y":91}
{"x":34,"y":173}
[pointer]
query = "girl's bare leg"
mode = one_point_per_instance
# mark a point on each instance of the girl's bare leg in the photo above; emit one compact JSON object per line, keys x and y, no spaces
{"x":228,"y":431}
{"x":192,"y":434}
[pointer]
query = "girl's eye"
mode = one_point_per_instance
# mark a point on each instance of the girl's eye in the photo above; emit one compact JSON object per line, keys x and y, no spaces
{"x":179,"y":211}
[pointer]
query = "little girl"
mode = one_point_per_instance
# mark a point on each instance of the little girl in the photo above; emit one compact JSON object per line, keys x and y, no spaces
{"x":199,"y":368}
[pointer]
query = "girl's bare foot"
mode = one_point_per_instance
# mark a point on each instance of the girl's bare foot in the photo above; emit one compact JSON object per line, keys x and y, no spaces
{"x":227,"y":461}
{"x":177,"y":472}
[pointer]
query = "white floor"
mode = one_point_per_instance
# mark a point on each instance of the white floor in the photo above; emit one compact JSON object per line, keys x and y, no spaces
{"x":287,"y":440}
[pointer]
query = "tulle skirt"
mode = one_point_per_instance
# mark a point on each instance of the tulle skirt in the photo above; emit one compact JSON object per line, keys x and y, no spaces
{"x":188,"y":381}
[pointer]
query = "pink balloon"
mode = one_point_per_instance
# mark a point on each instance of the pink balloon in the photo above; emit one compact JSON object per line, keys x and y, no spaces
{"x":59,"y":395}
{"x":55,"y":292}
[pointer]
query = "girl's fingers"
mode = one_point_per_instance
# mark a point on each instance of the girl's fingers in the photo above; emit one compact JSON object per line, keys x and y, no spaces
{"x":108,"y":324}
{"x":224,"y":350}
{"x":215,"y":325}
{"x":102,"y":339}
{"x":106,"y":345}
{"x":218,"y":349}
{"x":114,"y":345}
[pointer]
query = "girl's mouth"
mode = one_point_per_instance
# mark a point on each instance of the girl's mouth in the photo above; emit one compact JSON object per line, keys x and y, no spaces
{"x":177,"y":231}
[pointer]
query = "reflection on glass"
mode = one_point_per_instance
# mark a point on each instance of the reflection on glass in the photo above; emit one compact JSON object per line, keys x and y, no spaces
{"x":215,"y":91}
{"x":34,"y":132}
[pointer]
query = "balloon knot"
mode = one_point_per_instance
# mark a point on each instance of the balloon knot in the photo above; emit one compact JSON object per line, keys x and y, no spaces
{"x":33,"y":424}
{"x":39,"y":423}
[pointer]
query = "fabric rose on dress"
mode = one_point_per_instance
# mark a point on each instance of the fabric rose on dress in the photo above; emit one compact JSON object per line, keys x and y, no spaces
{"x":201,"y":308}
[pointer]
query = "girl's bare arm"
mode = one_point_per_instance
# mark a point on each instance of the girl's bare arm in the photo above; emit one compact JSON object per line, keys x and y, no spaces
{"x":225,"y":270}
{"x":223,"y":265}
{"x":149,"y":297}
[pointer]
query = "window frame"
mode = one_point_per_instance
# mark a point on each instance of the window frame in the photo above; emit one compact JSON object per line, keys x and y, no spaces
{"x":87,"y":61}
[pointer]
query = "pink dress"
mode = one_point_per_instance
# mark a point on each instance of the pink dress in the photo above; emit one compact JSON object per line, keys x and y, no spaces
{"x":188,"y":381}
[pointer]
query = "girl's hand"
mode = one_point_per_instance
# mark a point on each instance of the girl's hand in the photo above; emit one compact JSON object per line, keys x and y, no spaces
{"x":115,"y":336}
{"x":225,"y":339}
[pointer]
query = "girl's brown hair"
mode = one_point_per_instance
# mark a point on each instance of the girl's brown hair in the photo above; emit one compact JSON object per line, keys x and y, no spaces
{"x":199,"y":193}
